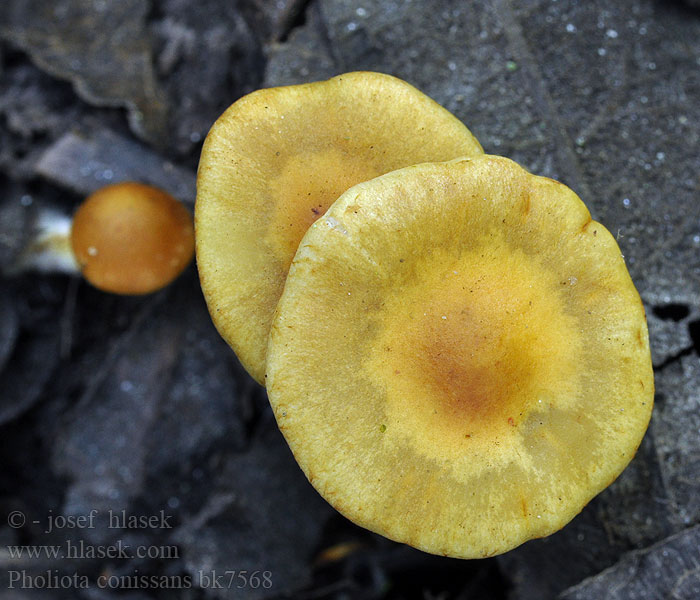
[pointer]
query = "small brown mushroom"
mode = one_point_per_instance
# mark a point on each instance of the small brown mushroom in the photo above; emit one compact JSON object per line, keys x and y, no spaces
{"x":459,"y":360}
{"x":131,"y":238}
{"x":274,"y":162}
{"x":127,"y":238}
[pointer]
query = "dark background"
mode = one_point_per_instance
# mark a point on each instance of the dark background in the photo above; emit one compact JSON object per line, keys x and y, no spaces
{"x":135,"y":404}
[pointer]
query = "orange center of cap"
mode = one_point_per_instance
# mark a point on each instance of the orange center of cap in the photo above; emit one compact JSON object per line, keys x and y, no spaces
{"x":473,"y":349}
{"x":308,"y":183}
{"x":472,"y":367}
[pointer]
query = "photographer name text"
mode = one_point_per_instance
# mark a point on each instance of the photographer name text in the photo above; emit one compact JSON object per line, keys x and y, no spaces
{"x":116,"y":520}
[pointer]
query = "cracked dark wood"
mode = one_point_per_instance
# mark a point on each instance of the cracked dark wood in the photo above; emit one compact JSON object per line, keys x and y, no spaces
{"x":568,"y":164}
{"x":101,"y":48}
{"x":670,"y":569}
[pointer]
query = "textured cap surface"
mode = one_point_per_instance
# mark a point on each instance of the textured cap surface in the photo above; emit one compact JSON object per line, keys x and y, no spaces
{"x":276,"y":160}
{"x":459,"y":359}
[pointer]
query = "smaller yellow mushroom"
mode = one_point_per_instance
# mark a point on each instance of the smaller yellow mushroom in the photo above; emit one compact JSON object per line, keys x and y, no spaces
{"x":127,"y":238}
{"x":459,"y":360}
{"x":131,"y":238}
{"x":276,"y":160}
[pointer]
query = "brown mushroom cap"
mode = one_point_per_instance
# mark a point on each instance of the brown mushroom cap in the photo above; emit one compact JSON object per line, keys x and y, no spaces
{"x":131,"y":238}
{"x":275,"y":161}
{"x":459,"y":360}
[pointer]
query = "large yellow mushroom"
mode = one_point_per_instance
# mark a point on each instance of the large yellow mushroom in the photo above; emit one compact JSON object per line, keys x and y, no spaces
{"x":275,"y":161}
{"x":459,"y":360}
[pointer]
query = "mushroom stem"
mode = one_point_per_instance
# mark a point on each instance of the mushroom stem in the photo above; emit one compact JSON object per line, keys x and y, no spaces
{"x":48,"y":247}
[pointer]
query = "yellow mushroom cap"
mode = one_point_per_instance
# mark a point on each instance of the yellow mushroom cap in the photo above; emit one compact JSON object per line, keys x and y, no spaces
{"x":131,"y":238}
{"x":276,"y":160}
{"x":459,"y":360}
